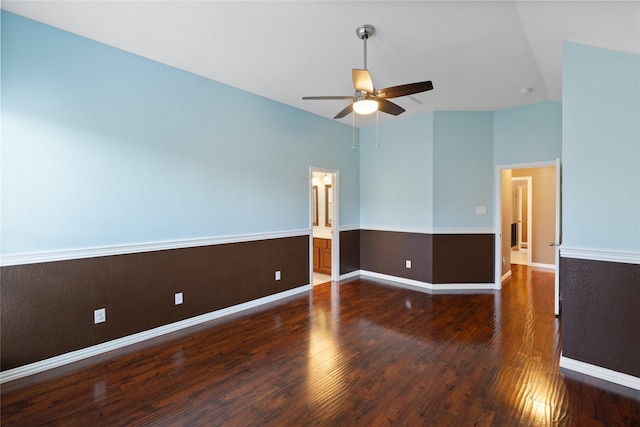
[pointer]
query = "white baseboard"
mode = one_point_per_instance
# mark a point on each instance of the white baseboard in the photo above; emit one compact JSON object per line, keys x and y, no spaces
{"x":350,"y":275}
{"x":541,"y":265}
{"x":74,"y":356}
{"x":430,"y":286}
{"x":600,"y":372}
{"x":506,"y":275}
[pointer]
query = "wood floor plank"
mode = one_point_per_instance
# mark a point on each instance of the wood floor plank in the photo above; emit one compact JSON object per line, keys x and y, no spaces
{"x":359,"y":353}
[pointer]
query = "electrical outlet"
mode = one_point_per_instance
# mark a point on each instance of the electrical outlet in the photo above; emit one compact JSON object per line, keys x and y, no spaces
{"x":177,"y":298}
{"x":407,"y":263}
{"x":278,"y":275}
{"x":100,"y":315}
{"x":481,"y":210}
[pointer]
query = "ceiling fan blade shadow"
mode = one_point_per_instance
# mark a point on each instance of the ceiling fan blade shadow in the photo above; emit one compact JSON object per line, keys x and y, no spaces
{"x":404,"y":90}
{"x":389,"y":107}
{"x":328,"y":97}
{"x":362,"y":80}
{"x":348,"y":109}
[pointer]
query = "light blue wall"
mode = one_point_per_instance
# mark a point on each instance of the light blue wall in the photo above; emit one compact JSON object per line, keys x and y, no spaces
{"x":430,"y":172}
{"x":463,"y":169}
{"x":528,"y":134}
{"x":102,"y":147}
{"x":601,"y":149}
{"x":396,"y":179}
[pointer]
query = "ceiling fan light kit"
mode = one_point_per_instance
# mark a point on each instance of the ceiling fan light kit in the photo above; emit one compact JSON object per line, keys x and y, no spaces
{"x":366,"y":99}
{"x":365,"y":106}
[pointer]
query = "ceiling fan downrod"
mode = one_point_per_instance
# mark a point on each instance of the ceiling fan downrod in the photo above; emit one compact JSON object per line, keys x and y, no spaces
{"x":364,"y":32}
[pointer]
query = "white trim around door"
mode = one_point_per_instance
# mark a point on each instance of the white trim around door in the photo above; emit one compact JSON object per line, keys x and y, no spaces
{"x":335,"y":223}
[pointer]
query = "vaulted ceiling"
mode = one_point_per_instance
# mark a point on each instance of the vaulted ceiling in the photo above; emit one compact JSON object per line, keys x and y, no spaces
{"x":479,"y":54}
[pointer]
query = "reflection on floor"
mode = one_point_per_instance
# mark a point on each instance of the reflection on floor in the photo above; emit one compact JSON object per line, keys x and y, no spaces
{"x":320,"y":278}
{"x":519,"y":256}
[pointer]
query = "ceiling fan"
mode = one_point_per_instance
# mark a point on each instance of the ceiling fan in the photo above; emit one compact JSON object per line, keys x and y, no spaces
{"x":366,"y":99}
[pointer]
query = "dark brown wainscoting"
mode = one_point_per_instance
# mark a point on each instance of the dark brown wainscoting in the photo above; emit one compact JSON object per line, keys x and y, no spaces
{"x":386,"y":252}
{"x":601,"y":313}
{"x":47,"y":308}
{"x":349,"y":251}
{"x":436,"y":259}
{"x":463,"y":258}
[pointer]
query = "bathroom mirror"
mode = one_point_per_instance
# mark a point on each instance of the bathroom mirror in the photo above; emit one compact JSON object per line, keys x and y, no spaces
{"x":328,"y":205}
{"x":314,"y":205}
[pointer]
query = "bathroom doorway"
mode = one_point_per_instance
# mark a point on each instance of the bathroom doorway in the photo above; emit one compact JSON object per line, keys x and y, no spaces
{"x":324,"y":223}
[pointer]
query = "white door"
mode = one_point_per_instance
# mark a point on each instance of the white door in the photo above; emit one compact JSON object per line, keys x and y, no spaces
{"x":558,"y":241}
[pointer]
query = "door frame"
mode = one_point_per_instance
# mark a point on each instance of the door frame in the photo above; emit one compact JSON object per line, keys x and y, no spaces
{"x":335,"y":225}
{"x":497,"y":179}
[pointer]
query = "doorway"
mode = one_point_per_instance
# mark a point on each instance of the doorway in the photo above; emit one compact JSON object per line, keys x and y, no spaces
{"x":543,"y":236}
{"x":324,"y":242}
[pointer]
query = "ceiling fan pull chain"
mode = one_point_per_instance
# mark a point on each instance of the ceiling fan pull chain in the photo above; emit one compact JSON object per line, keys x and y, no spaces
{"x":353,"y":131}
{"x":377,"y":130}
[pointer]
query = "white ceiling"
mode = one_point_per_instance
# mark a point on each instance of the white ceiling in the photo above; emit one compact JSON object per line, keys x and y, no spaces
{"x":478,"y":54}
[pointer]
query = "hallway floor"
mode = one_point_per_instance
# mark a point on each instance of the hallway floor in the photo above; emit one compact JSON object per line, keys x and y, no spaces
{"x":519,"y":256}
{"x":319,"y":278}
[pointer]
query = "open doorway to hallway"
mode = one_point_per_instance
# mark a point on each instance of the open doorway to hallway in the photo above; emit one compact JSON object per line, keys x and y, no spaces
{"x":545,"y":236}
{"x":529,"y":217}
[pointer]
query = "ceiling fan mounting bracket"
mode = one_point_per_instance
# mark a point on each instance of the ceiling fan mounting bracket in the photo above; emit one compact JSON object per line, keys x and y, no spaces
{"x":365,"y":31}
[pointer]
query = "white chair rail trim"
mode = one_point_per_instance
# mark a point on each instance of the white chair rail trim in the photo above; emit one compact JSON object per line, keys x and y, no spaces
{"x":627,"y":257}
{"x":70,"y":254}
{"x":428,"y":230}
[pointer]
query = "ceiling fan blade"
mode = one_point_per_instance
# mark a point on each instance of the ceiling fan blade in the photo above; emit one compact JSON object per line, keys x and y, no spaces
{"x":328,"y":97}
{"x":404,"y":90}
{"x":362,"y":80}
{"x":348,"y":109}
{"x":389,"y":107}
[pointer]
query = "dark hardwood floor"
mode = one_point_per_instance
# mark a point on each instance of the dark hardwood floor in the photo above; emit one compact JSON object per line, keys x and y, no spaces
{"x":359,"y":354}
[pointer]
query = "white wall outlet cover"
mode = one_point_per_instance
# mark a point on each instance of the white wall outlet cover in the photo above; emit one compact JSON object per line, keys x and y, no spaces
{"x":99,"y":315}
{"x":481,"y":210}
{"x":408,"y":263}
{"x":278,"y":275}
{"x":178,"y":298}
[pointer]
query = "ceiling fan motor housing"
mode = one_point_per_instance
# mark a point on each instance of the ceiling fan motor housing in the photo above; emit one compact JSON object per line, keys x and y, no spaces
{"x":365,"y":31}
